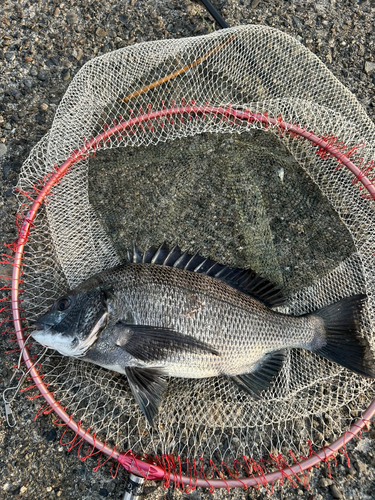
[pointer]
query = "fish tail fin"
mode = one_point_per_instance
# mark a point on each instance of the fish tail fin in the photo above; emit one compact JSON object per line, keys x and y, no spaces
{"x":340,"y":339}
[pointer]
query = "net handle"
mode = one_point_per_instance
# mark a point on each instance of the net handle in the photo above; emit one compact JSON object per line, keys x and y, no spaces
{"x":135,"y":465}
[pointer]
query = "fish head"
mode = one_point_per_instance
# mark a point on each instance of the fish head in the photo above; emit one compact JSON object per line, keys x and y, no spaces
{"x":74,"y":322}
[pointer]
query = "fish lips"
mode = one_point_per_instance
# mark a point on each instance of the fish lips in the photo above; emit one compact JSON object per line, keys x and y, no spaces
{"x":40,"y":327}
{"x":41,"y":323}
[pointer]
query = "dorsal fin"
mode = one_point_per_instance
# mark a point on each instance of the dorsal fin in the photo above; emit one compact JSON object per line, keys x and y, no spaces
{"x":246,"y":281}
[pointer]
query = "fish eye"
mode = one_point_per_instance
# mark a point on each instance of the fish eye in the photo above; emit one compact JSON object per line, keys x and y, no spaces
{"x":63,"y":304}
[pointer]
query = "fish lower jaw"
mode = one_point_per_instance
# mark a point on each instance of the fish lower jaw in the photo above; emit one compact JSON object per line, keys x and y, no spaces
{"x":47,"y":338}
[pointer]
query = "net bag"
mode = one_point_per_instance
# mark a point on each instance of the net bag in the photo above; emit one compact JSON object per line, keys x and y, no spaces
{"x":240,"y":145}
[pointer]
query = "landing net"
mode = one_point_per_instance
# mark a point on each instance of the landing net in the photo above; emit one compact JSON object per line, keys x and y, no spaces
{"x":240,"y":145}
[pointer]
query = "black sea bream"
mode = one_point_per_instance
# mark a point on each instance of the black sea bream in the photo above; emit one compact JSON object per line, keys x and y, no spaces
{"x":168,"y":313}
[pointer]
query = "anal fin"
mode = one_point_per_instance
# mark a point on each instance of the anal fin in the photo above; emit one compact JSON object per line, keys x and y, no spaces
{"x":262,"y":375}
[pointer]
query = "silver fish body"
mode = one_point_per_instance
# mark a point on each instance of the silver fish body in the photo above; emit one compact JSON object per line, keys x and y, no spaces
{"x":174,"y":314}
{"x":240,"y":328}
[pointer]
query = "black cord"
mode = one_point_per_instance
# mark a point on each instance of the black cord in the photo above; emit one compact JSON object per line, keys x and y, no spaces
{"x":214,"y":13}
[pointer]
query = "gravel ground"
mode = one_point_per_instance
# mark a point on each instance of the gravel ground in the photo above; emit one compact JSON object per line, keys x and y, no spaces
{"x":42,"y":46}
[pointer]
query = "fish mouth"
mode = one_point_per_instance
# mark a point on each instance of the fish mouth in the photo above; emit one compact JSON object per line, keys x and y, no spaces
{"x":43,"y":332}
{"x":40,"y":332}
{"x":42,"y":324}
{"x":38,"y":325}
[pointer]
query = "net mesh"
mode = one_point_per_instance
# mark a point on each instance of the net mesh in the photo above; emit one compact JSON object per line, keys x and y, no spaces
{"x":238,"y":192}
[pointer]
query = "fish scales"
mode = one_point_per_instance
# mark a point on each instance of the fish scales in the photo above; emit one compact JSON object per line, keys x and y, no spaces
{"x":241,"y":328}
{"x":168,"y":313}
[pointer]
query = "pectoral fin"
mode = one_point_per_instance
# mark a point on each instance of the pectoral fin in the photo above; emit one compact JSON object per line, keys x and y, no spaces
{"x":151,"y":343}
{"x":147,"y":386}
{"x":264,"y":372}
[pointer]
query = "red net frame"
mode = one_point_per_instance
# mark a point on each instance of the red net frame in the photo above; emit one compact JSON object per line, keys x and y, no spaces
{"x":165,"y":468}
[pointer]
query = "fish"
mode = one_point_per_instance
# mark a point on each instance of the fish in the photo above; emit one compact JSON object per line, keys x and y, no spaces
{"x":167,"y":313}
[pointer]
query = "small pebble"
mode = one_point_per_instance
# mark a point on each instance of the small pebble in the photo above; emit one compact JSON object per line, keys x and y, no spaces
{"x":78,"y":54}
{"x":335,"y":492}
{"x":65,"y":74}
{"x":28,"y":83}
{"x":361,"y":467}
{"x":101,"y":33}
{"x":195,"y":496}
{"x":16,"y":93}
{"x":123,"y":19}
{"x":111,"y":486}
{"x":350,"y":471}
{"x":7,"y":487}
{"x":52,"y":61}
{"x":281,"y":175}
{"x":3,"y":149}
{"x":325,"y":482}
{"x":369,"y":67}
{"x":52,"y":435}
{"x":43,"y":75}
{"x":10,"y":56}
{"x":72,"y":18}
{"x":44,"y":106}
